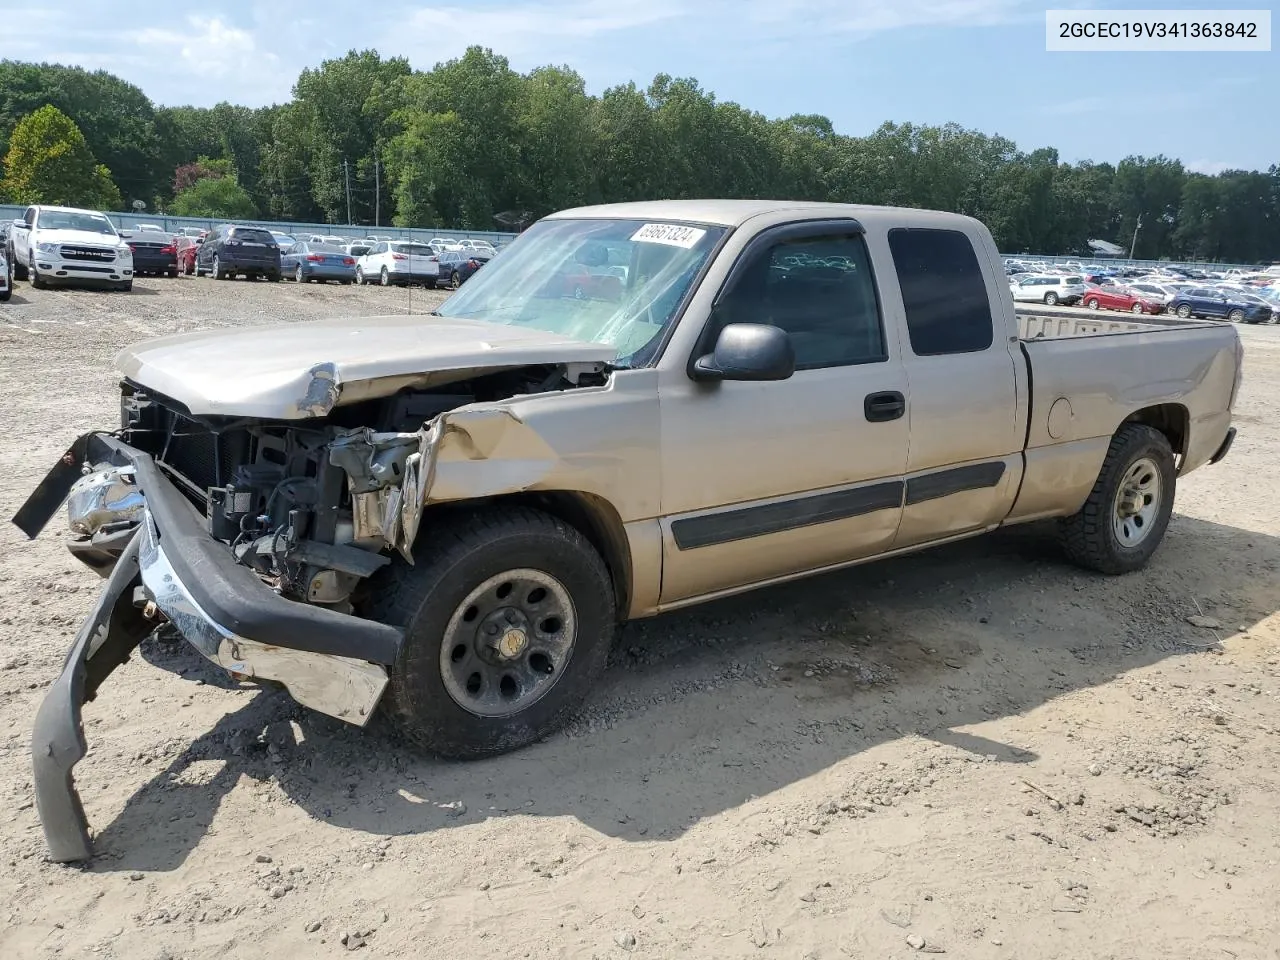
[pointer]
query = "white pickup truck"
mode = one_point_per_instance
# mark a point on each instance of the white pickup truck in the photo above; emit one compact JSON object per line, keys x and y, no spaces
{"x":446,"y":516}
{"x":56,"y":244}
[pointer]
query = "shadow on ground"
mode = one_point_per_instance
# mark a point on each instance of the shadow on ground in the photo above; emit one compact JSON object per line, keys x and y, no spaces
{"x":703,"y":710}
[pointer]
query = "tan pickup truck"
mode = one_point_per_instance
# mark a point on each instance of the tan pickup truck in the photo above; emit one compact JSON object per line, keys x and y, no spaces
{"x":631,"y":409}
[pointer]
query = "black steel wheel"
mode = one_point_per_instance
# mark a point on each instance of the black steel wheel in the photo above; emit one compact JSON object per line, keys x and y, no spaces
{"x":508,"y":616}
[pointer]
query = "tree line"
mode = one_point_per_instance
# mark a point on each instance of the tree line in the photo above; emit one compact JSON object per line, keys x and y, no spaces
{"x":474,"y":144}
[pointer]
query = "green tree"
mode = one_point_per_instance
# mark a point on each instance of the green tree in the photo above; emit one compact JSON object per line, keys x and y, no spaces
{"x":220,"y":198}
{"x":49,"y":162}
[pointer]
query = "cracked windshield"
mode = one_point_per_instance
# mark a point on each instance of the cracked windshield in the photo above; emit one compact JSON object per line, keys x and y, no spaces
{"x":607,"y":281}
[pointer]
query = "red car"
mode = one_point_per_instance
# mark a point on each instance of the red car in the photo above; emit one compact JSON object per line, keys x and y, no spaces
{"x":1119,"y":298}
{"x":187,"y":247}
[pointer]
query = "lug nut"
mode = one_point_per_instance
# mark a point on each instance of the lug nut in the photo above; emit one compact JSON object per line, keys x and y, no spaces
{"x":149,"y":610}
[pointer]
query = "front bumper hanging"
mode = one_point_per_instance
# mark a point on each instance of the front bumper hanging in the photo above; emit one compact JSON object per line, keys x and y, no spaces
{"x":329,"y":661}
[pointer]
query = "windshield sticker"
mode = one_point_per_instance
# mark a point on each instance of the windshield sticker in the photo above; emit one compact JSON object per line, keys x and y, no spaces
{"x":669,"y":233}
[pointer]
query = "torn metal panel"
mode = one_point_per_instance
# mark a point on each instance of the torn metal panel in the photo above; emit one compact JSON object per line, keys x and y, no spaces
{"x":323,"y":390}
{"x":372,"y":460}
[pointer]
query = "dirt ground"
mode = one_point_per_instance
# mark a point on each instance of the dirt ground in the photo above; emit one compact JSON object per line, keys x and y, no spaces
{"x":979,"y":750}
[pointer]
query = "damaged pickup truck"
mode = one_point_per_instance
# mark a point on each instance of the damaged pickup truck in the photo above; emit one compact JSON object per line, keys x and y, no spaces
{"x":635,"y":408}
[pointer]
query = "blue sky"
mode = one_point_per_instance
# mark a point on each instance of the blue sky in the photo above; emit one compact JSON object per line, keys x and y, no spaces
{"x":981,"y":63}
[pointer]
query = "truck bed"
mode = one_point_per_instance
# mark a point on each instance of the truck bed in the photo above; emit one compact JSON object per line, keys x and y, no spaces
{"x":1036,"y":324}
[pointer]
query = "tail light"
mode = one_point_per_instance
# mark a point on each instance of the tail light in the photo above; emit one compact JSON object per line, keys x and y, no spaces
{"x":315,"y":258}
{"x":348,"y":261}
{"x":433,"y":259}
{"x":169,"y":249}
{"x":399,"y":256}
{"x":473,"y":264}
{"x":133,"y":248}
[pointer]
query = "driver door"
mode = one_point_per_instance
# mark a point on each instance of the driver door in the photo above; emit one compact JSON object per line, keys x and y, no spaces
{"x":761,"y":480}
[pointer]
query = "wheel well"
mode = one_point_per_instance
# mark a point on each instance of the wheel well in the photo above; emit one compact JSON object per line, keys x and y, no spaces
{"x":1171,"y":419}
{"x":597,"y":520}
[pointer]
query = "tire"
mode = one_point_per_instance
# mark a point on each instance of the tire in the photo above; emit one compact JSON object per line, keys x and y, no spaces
{"x":19,"y":270}
{"x":1090,"y":537}
{"x":360,"y":280}
{"x":1235,"y":316}
{"x":297,"y":274}
{"x":1092,"y":303}
{"x":345,"y":283}
{"x":37,"y":281}
{"x":1137,"y":308}
{"x":7,"y":292}
{"x":172,"y":274}
{"x":273,"y":276}
{"x":217,"y":269}
{"x":579,"y":293}
{"x":1050,"y":299}
{"x":455,"y":281}
{"x":1184,"y":310}
{"x":125,"y":287}
{"x":464,"y":552}
{"x":384,"y":277}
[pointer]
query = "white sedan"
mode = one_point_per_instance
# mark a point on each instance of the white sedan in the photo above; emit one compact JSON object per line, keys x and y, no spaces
{"x":399,"y":262}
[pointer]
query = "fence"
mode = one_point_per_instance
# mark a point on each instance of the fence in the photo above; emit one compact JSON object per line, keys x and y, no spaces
{"x":1204,"y":265}
{"x":126,"y":221}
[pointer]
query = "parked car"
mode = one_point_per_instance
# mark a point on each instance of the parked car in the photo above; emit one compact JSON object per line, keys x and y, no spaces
{"x":555,"y":467}
{"x":6,"y":275}
{"x":230,"y":250}
{"x":1121,"y":298}
{"x":153,"y":253}
{"x":184,"y":249}
{"x":445,"y":243}
{"x":1048,"y":289}
{"x":332,"y":240}
{"x":1216,"y":305}
{"x":399,"y":262}
{"x":150,"y":228}
{"x":457,"y":266}
{"x":283,"y":240}
{"x":191,"y":231}
{"x":306,"y":261}
{"x":358,"y":248}
{"x":55,"y":244}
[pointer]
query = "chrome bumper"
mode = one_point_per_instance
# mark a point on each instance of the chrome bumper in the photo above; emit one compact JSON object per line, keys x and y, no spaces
{"x":341,"y":687}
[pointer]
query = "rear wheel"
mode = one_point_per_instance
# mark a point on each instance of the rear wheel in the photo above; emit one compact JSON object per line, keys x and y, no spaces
{"x":360,"y":276}
{"x":1127,"y":513}
{"x":7,"y":292}
{"x":217,"y":269}
{"x":1092,"y":303}
{"x":274,"y":276}
{"x":1184,"y":310}
{"x":1137,"y":308}
{"x":1235,"y":316}
{"x":455,"y":281}
{"x":508,"y":616}
{"x":384,"y":277}
{"x":1051,"y":299}
{"x":298,"y":275}
{"x":172,"y":273}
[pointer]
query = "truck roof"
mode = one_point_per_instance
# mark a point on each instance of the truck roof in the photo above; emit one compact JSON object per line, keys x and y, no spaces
{"x":734,"y":213}
{"x":55,"y":207}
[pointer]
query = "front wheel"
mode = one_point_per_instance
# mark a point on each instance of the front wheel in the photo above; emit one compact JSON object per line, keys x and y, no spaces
{"x":1127,"y":513}
{"x":217,"y":269}
{"x":360,"y":276}
{"x":1092,"y":304}
{"x":1184,"y":310}
{"x":1137,"y":308}
{"x":384,"y":277}
{"x":37,"y":281}
{"x":508,"y":616}
{"x":1235,"y":316}
{"x":298,"y":275}
{"x":1050,"y":299}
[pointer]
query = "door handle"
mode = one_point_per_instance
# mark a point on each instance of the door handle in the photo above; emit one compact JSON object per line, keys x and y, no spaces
{"x":880,"y":407}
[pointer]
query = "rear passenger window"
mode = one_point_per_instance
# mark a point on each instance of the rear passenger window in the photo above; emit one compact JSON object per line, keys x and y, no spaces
{"x":820,"y":291}
{"x":943,"y":291}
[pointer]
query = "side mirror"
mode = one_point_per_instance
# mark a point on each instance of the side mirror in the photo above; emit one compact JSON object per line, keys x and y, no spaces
{"x":748,"y":351}
{"x":19,"y":222}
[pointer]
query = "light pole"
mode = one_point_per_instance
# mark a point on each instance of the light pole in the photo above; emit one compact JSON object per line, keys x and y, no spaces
{"x":1133,"y":246}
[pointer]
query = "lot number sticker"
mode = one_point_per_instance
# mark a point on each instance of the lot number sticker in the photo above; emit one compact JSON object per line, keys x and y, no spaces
{"x":670,"y":234}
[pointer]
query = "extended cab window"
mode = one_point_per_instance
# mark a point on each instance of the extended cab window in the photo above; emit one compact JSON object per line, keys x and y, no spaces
{"x":943,"y":291}
{"x":819,"y":290}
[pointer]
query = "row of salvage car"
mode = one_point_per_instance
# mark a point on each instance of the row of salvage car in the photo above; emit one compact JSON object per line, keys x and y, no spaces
{"x":1239,"y":300}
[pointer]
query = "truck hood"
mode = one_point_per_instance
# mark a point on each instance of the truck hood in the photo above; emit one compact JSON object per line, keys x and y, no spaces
{"x":293,"y":371}
{"x":76,"y":236}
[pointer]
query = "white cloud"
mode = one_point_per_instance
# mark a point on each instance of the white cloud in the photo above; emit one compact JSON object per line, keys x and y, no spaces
{"x":210,"y":48}
{"x":1211,"y":167}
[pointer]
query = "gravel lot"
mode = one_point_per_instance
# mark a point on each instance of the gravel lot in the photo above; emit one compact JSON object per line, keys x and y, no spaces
{"x":978,"y":750}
